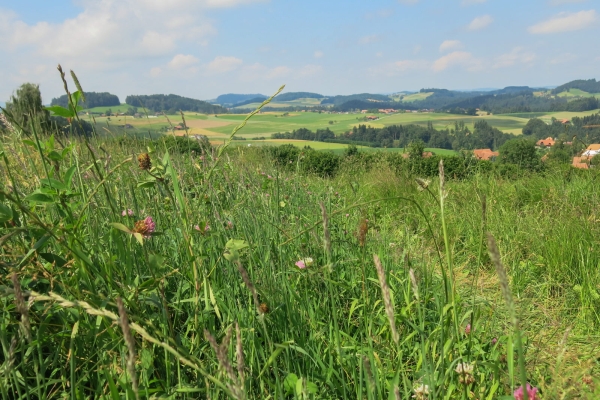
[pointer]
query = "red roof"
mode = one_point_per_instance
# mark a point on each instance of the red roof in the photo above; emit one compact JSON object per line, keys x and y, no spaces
{"x":548,"y":142}
{"x":485,"y":154}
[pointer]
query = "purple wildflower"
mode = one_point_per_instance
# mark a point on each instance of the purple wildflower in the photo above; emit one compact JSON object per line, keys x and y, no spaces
{"x":531,"y":393}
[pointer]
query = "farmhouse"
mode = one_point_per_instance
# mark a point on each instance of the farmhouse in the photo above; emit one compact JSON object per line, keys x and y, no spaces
{"x":592,"y":150}
{"x":372,"y":117}
{"x":548,"y":142}
{"x":485,"y":154}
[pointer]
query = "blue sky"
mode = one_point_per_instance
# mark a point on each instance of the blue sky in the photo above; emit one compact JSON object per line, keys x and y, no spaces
{"x":203,"y":48}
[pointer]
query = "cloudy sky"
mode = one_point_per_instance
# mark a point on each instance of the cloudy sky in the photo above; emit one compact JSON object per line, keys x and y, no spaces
{"x":203,"y":48}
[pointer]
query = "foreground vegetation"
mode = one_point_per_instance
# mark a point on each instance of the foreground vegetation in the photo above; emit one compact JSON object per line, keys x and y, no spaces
{"x":168,"y":268}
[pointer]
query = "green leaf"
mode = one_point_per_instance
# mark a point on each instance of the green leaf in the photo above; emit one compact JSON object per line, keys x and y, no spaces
{"x":54,"y":259}
{"x":276,"y":353}
{"x":236,"y":244}
{"x":69,"y":176}
{"x":29,"y":143}
{"x":6,"y":213}
{"x":53,"y":183}
{"x":38,"y":245}
{"x":38,"y":197}
{"x":289,"y":383}
{"x":120,"y":227}
{"x":147,"y":183}
{"x":139,"y":237}
{"x":60,"y":111}
{"x":310,"y":387}
{"x":55,"y":156}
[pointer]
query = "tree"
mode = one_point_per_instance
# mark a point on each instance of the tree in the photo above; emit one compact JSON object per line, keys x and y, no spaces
{"x":535,"y":127}
{"x":416,"y":149}
{"x":521,"y":152}
{"x":25,"y":107}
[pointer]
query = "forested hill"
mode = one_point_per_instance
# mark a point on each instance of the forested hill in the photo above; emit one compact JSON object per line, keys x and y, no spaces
{"x":298,"y":95}
{"x":337,"y":100}
{"x":92,"y":99}
{"x":590,"y":86}
{"x":234,"y":98}
{"x":172,"y":103}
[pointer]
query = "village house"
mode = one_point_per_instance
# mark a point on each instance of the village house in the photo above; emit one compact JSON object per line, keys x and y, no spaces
{"x":485,"y":154}
{"x":548,"y":142}
{"x":590,"y":152}
{"x":372,"y":117}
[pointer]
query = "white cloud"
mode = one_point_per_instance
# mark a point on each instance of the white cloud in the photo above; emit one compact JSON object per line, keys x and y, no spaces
{"x":368,"y":39}
{"x":156,"y":71}
{"x":450,"y":45}
{"x":563,"y":58}
{"x":181,"y":61}
{"x":480,"y":22}
{"x":518,"y":55}
{"x":565,"y":22}
{"x":417,"y":49}
{"x":456,"y":58}
{"x":223,"y":64}
{"x":465,"y":3}
{"x":318,"y":54}
{"x":408,"y":2}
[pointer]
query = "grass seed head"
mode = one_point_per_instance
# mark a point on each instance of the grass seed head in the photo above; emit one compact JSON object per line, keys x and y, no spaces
{"x":144,"y":162}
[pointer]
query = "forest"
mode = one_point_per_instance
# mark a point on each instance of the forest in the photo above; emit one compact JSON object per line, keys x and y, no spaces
{"x":172,"y":104}
{"x":92,"y":99}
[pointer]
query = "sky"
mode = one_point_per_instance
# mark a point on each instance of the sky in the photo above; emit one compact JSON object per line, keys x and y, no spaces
{"x":204,"y":48}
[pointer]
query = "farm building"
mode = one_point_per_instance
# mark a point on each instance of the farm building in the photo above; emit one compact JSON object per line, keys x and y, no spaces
{"x":548,"y":142}
{"x":485,"y":154}
{"x":592,"y":150}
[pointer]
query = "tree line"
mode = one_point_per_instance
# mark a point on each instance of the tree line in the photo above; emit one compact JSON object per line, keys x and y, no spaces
{"x":92,"y":99}
{"x":398,"y":136}
{"x":172,"y":104}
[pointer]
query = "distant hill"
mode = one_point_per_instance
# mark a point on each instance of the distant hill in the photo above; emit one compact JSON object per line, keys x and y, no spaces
{"x":233,"y":98}
{"x":92,"y":99}
{"x":250,"y":101}
{"x":590,"y":86}
{"x":298,"y":95}
{"x":172,"y":103}
{"x":373,"y":98}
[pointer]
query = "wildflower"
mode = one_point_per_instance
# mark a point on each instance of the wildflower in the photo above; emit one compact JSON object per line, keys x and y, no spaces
{"x":300,"y":264}
{"x":128,"y":212}
{"x":264,"y":308}
{"x":229,"y":225}
{"x":531,"y":393}
{"x":494,"y":341}
{"x":468,"y":329}
{"x":421,"y":392}
{"x":347,"y":215}
{"x":144,"y":162}
{"x":465,"y":370}
{"x":145,"y":227}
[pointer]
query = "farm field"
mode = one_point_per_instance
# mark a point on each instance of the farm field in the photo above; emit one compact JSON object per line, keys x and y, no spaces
{"x":577,"y":93}
{"x":264,"y":124}
{"x":416,"y":97}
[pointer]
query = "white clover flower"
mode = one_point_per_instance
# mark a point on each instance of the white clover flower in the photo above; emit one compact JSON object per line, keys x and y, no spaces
{"x":464,"y":368}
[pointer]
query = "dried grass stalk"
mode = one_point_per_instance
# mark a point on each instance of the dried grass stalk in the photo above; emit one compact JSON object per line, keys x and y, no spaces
{"x":249,"y":285}
{"x":124,"y":322}
{"x":21,"y":307}
{"x":387,"y":300}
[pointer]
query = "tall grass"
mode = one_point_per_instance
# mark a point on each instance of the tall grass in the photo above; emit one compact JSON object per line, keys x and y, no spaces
{"x":94,"y":311}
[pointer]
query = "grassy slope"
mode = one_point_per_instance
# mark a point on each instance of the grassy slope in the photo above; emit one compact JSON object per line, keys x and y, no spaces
{"x":330,"y":323}
{"x":577,"y":93}
{"x":416,"y":96}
